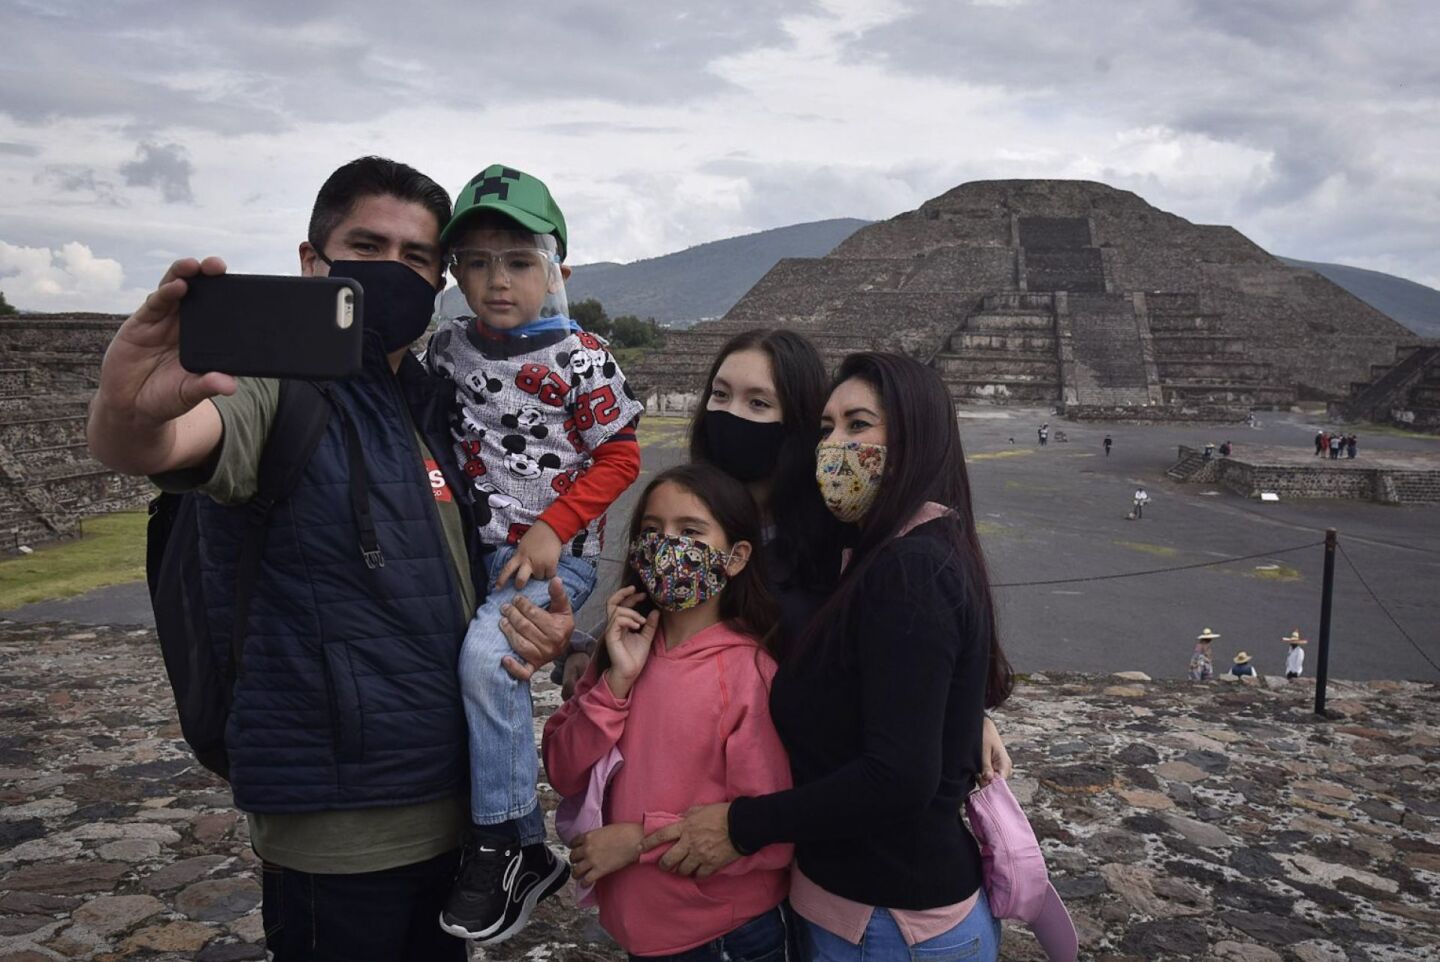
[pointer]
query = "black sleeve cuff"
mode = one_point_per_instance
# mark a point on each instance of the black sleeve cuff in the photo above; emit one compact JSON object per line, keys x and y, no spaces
{"x":740,"y":819}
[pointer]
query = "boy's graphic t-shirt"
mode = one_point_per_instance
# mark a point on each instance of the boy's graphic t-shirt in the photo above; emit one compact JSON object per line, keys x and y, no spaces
{"x":529,"y":413}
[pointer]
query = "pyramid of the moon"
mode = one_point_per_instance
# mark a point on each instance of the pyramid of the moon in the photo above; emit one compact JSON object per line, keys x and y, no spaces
{"x":1060,"y":292}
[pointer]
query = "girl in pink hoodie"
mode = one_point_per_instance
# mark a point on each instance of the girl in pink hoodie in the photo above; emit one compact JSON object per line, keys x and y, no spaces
{"x":674,"y":712}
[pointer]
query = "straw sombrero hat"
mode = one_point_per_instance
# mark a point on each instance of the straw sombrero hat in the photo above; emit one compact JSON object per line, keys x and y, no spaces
{"x":1294,"y":638}
{"x":1206,"y":635}
{"x":1242,"y":658}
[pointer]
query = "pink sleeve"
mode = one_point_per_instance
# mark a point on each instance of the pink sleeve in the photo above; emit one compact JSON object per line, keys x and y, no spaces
{"x":755,"y":761}
{"x":581,"y":732}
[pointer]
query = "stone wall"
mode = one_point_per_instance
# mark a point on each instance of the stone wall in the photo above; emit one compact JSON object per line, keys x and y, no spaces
{"x":1332,"y":480}
{"x":49,"y":367}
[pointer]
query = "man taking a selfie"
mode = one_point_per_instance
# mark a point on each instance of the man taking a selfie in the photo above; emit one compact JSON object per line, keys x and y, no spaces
{"x":346,"y":738}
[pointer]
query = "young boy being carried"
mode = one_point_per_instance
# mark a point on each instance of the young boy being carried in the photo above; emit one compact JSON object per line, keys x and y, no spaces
{"x":544,"y":428}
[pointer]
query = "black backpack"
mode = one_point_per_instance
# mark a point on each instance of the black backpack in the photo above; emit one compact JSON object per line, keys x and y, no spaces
{"x":202,"y":681}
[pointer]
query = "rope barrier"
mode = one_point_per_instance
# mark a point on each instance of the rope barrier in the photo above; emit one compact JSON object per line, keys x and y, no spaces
{"x":1375,"y":598}
{"x":1156,"y":571}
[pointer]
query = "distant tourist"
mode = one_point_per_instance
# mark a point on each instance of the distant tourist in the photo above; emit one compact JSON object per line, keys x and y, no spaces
{"x":1321,"y":443}
{"x":1044,"y":432}
{"x":1335,"y":442}
{"x":1202,"y":668}
{"x":1108,"y":442}
{"x":1209,"y":451}
{"x":1350,"y":443}
{"x":1225,"y":449}
{"x":1243,"y":669}
{"x":1295,"y":661}
{"x":1142,"y":498}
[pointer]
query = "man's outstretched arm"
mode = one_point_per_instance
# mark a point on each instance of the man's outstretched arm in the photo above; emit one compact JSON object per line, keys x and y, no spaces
{"x":149,"y":414}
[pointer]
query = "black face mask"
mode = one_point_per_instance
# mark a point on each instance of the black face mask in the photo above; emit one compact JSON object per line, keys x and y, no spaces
{"x":398,"y":301}
{"x":745,"y":450}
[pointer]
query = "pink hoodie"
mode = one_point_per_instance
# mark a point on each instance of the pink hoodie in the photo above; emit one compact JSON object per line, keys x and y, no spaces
{"x":696,"y":729}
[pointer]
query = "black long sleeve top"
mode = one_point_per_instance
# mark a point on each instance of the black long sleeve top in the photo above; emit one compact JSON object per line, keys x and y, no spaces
{"x":883,"y":724}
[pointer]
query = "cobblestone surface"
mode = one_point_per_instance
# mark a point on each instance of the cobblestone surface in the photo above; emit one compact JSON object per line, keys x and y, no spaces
{"x":1217,"y":821}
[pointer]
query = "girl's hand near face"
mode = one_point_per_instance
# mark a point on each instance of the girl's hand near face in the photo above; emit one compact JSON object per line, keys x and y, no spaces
{"x":628,"y":638}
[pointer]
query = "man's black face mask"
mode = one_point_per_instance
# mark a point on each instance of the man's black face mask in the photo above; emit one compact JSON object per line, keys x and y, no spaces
{"x":398,"y":301}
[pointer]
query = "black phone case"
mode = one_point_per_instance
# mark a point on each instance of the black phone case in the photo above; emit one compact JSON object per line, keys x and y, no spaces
{"x":268,"y":326}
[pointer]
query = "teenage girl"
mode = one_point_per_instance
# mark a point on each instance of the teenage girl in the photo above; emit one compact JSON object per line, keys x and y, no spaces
{"x":678,"y":699}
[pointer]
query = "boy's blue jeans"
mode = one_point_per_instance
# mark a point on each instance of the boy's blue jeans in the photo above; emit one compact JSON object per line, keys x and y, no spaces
{"x":976,"y":939}
{"x":503,"y":763}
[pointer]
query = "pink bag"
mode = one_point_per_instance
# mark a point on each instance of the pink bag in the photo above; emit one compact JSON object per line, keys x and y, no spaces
{"x":578,"y":814}
{"x":1015,"y":878}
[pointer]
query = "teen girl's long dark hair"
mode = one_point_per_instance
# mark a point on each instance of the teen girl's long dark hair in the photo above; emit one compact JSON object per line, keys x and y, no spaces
{"x":924,"y":462}
{"x":807,"y":542}
{"x":745,"y":603}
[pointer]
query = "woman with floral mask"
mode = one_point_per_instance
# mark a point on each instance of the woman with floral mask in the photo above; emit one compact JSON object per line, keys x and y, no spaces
{"x":880,"y":705}
{"x":672,"y":713}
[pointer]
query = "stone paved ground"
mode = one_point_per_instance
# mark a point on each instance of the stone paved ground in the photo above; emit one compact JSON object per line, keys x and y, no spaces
{"x":1181,"y":821}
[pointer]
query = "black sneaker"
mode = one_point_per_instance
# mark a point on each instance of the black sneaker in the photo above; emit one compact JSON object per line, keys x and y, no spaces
{"x":499,"y":885}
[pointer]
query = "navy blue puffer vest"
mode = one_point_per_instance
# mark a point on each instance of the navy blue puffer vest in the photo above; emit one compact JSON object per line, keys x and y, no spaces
{"x":348,"y":696}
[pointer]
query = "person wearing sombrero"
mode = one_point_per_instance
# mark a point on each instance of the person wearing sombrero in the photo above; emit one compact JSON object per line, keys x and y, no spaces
{"x":1242,"y":667}
{"x":1202,"y":668}
{"x":1295,"y":661}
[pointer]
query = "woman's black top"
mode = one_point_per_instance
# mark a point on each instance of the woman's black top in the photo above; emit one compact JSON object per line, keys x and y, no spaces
{"x":883,"y":725}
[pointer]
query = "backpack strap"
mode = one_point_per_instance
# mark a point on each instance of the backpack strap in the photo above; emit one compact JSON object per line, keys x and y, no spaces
{"x":301,"y":415}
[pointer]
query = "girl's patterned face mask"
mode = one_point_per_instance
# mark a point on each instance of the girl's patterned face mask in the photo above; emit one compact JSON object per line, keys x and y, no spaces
{"x":849,"y":475}
{"x":678,"y":572}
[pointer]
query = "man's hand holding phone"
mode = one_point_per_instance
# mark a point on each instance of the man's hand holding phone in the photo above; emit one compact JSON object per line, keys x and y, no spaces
{"x":135,"y":420}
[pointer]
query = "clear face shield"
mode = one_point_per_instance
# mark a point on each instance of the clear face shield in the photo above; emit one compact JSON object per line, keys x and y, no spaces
{"x":529,"y":265}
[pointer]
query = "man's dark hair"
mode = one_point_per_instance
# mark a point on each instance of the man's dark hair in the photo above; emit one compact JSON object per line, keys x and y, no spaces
{"x":372,"y":177}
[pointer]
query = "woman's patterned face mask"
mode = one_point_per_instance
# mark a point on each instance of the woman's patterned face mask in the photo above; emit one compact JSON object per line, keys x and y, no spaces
{"x":849,"y":477}
{"x":678,"y":572}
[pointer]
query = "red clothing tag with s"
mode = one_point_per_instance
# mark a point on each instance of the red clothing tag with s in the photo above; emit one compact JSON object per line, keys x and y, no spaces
{"x":438,"y":487}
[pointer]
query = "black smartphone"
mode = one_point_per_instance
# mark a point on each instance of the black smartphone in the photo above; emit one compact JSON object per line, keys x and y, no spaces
{"x":270,"y":326}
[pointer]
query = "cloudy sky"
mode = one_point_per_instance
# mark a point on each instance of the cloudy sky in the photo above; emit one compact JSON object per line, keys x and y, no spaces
{"x":130,"y":134}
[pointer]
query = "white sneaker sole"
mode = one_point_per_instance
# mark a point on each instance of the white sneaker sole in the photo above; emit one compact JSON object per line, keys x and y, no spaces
{"x":491,"y":936}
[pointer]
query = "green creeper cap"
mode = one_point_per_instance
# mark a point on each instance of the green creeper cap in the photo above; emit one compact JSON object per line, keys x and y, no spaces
{"x":517,"y":195}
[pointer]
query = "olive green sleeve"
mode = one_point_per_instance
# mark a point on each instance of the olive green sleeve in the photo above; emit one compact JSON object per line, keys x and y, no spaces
{"x":245,"y":417}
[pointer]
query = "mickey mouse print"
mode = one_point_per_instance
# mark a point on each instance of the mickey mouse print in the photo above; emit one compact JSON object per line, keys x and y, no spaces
{"x":529,"y":412}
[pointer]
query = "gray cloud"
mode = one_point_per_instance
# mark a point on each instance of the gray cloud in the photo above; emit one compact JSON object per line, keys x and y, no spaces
{"x":19,"y":150}
{"x":1305,"y":80}
{"x":81,"y":184}
{"x":164,"y":167}
{"x":266,"y":66}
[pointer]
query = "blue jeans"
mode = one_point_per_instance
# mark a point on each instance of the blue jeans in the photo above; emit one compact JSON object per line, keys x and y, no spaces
{"x":765,"y":938}
{"x":977,"y":939}
{"x":503,"y":763}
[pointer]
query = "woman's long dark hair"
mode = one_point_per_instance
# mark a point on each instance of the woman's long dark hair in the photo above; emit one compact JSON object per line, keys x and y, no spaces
{"x":807,"y":541}
{"x":924,"y":461}
{"x":745,"y":603}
